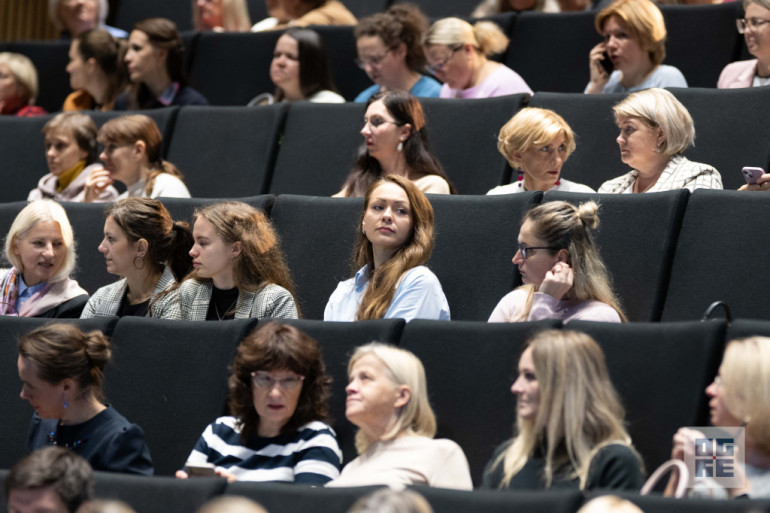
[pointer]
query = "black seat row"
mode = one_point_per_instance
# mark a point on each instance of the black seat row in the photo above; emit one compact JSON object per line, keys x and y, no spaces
{"x":670,"y":254}
{"x":170,"y":377}
{"x":549,"y":50}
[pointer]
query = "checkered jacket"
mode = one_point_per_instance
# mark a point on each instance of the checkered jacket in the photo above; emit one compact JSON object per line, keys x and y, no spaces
{"x":190,"y":302}
{"x":679,"y":173}
{"x":106,"y":301}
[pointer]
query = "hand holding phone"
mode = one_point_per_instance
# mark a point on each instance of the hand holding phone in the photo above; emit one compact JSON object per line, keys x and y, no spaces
{"x":200,"y":470}
{"x":752,"y":174}
{"x":606,"y":63}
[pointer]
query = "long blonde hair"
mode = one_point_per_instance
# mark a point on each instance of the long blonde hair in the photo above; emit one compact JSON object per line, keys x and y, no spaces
{"x":402,"y":368}
{"x":579,"y":409}
{"x":563,"y":225}
{"x":384,"y":280}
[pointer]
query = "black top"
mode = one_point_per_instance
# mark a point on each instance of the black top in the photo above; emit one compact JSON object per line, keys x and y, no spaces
{"x":614,"y":467}
{"x":185,"y":96}
{"x":128,"y":310}
{"x":222,"y":304}
{"x":70,"y":309}
{"x":108,"y":441}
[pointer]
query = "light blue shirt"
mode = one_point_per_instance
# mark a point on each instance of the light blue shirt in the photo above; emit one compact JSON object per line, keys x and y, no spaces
{"x":418,"y":296}
{"x":663,"y":76}
{"x":26,"y":292}
{"x":426,"y":87}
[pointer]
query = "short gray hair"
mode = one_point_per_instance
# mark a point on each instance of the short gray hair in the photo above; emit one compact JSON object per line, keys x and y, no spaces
{"x":53,"y":14}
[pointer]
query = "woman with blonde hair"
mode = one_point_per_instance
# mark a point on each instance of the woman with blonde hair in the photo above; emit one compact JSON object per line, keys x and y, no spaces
{"x":239,"y":271}
{"x":18,"y":86}
{"x":756,"y":32}
{"x":72,"y":18}
{"x":738,"y":396}
{"x":387,"y":398}
{"x":41,"y":248}
{"x":655,"y":129}
{"x":394,"y":244}
{"x":634,"y":43}
{"x":457,"y":54}
{"x":221,"y":15}
{"x":133,"y":155}
{"x":537,"y":142}
{"x":569,"y":421}
{"x":563,"y":273}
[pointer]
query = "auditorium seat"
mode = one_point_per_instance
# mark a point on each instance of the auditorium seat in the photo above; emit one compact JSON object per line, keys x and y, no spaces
{"x":182,"y":209}
{"x":470,"y":367}
{"x":742,"y":328}
{"x":231,"y":68}
{"x":87,"y":220}
{"x":363,"y":8}
{"x":341,"y":53}
{"x":550,"y":51}
{"x":8,"y":212}
{"x":318,"y":148}
{"x":444,"y":8}
{"x":23,"y":150}
{"x":520,"y":501}
{"x":170,"y":378}
{"x":291,"y":498}
{"x":660,"y":371}
{"x":731,"y":129}
{"x":338,"y":341}
{"x":129,"y":12}
{"x":463,"y":134}
{"x":317,"y":235}
{"x":659,"y":504}
{"x":50,"y":59}
{"x":158,"y":494}
{"x":718,"y":257}
{"x":235,"y":163}
{"x":476,"y":238}
{"x":165,"y":118}
{"x":596,"y":158}
{"x":636,"y":237}
{"x":17,"y":412}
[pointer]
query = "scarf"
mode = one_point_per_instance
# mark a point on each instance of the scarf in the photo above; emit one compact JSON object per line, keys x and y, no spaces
{"x":67,"y":177}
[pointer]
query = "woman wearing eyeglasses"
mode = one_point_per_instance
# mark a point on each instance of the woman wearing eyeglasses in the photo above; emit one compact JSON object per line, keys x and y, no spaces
{"x":390,"y":52}
{"x":458,"y":54}
{"x":755,"y":28}
{"x":279,"y":393}
{"x":395,"y":143}
{"x":564,"y":275}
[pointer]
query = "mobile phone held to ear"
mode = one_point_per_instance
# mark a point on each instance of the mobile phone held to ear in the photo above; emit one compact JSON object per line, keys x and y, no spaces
{"x":607,"y":63}
{"x":200,"y":470}
{"x":752,"y":174}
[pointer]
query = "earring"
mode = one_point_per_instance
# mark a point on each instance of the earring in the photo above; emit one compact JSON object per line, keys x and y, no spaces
{"x":66,"y":403}
{"x":136,"y":266}
{"x":400,"y":146}
{"x":363,"y":229}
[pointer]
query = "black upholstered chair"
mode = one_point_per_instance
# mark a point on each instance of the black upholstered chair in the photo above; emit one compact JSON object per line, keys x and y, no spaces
{"x":554,"y":501}
{"x":341,"y":51}
{"x":170,"y":378}
{"x":50,"y":59}
{"x":288,"y":498}
{"x":183,"y":209}
{"x":23,"y":150}
{"x":469,"y":367}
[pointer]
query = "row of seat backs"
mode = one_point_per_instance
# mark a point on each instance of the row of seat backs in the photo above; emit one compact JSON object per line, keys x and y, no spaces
{"x":549,"y":50}
{"x":170,"y":376}
{"x":309,"y":148}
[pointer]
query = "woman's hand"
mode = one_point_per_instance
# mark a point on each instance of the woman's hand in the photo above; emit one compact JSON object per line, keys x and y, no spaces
{"x":181,"y":474}
{"x":683,"y":444}
{"x":558,"y":280}
{"x":231,"y":478}
{"x":96,"y":183}
{"x":763,"y":184}
{"x":599,"y":77}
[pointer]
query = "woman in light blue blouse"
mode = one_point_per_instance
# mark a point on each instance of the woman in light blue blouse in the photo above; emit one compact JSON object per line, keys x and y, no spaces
{"x":395,"y":242}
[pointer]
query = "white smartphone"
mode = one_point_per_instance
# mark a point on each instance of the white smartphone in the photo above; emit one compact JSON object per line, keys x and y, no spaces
{"x":200,"y":470}
{"x":752,"y":174}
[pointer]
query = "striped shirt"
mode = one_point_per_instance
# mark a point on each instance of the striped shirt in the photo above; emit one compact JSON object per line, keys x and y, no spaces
{"x":309,"y":455}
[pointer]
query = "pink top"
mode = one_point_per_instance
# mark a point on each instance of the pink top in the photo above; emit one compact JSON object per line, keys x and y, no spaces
{"x":500,"y":82}
{"x":544,"y":306}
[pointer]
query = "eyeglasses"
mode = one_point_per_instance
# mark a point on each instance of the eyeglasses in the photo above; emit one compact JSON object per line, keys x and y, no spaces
{"x":525,"y":250}
{"x":744,"y":24}
{"x":376,"y":121}
{"x":372,"y":61}
{"x":262,"y":379}
{"x":443,"y":62}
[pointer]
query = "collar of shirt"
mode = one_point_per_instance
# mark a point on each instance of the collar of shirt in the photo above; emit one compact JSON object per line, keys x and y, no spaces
{"x":167,"y":96}
{"x":362,"y":278}
{"x":26,"y":292}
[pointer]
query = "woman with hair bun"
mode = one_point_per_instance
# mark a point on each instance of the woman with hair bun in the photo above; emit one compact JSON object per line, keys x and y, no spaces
{"x":457,"y":54}
{"x":387,"y":398}
{"x":144,"y":246}
{"x":97,"y":71}
{"x":62,"y":369}
{"x":239,"y":272}
{"x":390,"y":51}
{"x":133,"y":155}
{"x":155,"y":61}
{"x":564,"y":275}
{"x":569,"y":422}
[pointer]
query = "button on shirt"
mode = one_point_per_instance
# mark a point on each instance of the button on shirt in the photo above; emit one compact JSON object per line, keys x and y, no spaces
{"x":419,"y":296}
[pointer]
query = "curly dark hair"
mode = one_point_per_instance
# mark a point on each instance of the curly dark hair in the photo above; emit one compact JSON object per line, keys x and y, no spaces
{"x":273,"y":347}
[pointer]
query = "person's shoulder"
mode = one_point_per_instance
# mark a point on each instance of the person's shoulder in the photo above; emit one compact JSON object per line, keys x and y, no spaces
{"x":420,"y":274}
{"x":615,"y":466}
{"x":570,"y":186}
{"x":511,"y":188}
{"x":326,"y":96}
{"x":668,"y":76}
{"x":426,"y":87}
{"x":188,"y":96}
{"x":432,"y":184}
{"x":367,"y":93}
{"x":617,"y":184}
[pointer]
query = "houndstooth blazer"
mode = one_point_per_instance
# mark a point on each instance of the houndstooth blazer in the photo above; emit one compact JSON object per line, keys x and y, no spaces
{"x":106,"y":301}
{"x":679,"y":173}
{"x":190,"y":302}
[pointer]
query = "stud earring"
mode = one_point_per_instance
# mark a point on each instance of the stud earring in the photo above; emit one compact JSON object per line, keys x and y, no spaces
{"x":66,"y":403}
{"x":400,"y":146}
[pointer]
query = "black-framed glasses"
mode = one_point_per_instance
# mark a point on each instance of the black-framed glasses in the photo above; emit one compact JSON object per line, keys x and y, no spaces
{"x":262,"y":379}
{"x":749,"y":23}
{"x":525,"y":250}
{"x":443,"y":62}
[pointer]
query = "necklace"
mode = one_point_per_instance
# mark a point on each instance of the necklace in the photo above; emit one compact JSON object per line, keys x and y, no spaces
{"x":52,"y":440}
{"x":222,"y":316}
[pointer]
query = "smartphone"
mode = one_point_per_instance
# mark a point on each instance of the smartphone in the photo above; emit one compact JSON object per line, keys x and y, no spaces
{"x":752,"y":174}
{"x":607,"y":63}
{"x":200,"y":470}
